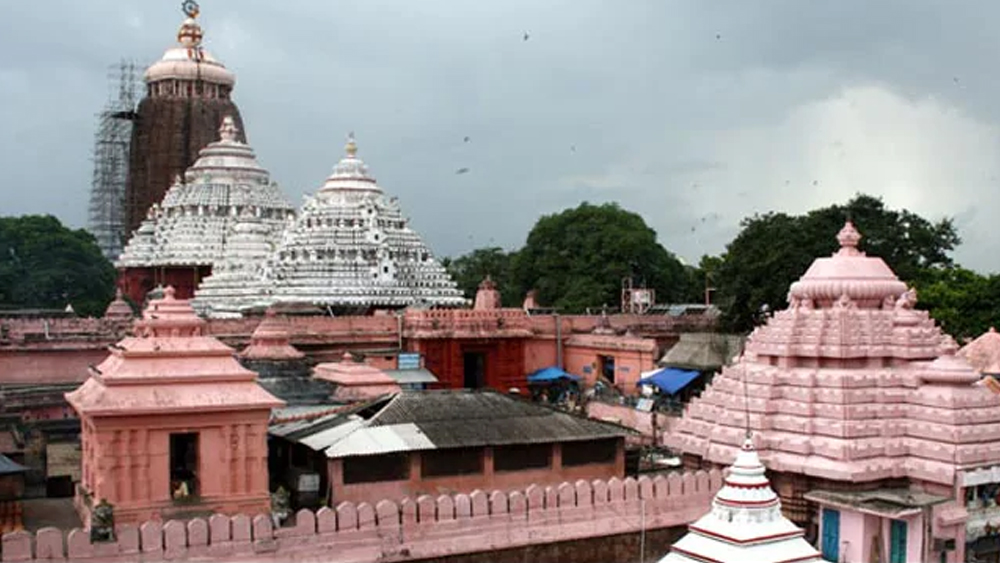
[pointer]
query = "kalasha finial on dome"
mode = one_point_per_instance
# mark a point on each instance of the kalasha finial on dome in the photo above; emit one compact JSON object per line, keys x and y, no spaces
{"x":849,"y":237}
{"x":228,"y":130}
{"x":351,"y":148}
{"x":190,"y":33}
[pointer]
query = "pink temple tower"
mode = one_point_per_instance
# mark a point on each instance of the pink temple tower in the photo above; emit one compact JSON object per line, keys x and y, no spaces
{"x":170,"y":423}
{"x":876,"y":435}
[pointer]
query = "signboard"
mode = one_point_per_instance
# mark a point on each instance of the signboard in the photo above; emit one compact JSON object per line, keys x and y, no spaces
{"x":588,"y":369}
{"x":981,"y":476}
{"x":644,"y":405}
{"x":408,"y":361}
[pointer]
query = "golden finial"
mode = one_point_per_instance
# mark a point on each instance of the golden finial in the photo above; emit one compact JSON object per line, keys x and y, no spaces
{"x":351,"y":147}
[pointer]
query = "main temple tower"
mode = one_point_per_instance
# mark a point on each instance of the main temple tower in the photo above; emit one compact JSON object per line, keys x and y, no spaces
{"x":187,"y":96}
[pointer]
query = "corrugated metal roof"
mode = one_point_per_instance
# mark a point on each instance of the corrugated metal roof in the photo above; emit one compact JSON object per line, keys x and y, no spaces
{"x":411,"y":376}
{"x":325,"y":438}
{"x":422,"y":420}
{"x":381,"y":440}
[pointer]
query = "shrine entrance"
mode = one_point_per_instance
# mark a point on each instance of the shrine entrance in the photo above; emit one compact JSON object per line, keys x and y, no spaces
{"x":183,"y":465}
{"x":474,"y":369}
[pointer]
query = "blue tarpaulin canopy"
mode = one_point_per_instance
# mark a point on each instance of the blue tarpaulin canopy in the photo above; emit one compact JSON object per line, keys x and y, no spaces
{"x":669,"y":380}
{"x":553,"y":373}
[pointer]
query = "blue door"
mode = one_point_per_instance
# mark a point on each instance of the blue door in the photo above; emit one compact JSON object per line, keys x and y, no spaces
{"x":897,"y":541}
{"x":831,"y":534}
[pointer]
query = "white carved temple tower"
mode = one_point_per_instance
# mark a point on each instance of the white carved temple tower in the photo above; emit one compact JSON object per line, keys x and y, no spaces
{"x":745,"y":524}
{"x":205,"y":217}
{"x":351,"y":250}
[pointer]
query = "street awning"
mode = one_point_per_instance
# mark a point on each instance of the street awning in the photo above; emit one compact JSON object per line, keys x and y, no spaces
{"x":669,"y":380}
{"x":9,"y":466}
{"x":549,"y":374}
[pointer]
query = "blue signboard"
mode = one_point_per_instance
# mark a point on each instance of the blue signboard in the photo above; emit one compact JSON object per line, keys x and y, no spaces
{"x":408,"y":361}
{"x":588,"y":369}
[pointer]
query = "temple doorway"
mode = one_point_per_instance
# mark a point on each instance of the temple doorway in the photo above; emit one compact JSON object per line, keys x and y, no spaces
{"x":474,"y":365}
{"x":607,"y":365}
{"x":183,"y":465}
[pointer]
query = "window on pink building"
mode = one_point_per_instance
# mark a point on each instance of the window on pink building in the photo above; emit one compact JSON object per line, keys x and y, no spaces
{"x":450,"y":462}
{"x":589,"y":452}
{"x":183,"y":465}
{"x":519,"y":458}
{"x":370,"y":469}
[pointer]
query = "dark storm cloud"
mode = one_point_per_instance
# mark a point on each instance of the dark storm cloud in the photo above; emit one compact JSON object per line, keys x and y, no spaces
{"x":678,"y":110}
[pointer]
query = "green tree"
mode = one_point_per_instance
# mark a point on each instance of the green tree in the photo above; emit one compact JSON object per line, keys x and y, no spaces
{"x":43,"y":264}
{"x":470,"y":269}
{"x":965,"y":304}
{"x":775,"y":249}
{"x":578,"y":258}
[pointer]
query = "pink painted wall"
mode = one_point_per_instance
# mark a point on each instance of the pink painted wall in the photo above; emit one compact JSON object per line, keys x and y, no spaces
{"x":49,"y":366}
{"x":126,"y":460}
{"x":487,"y":480}
{"x":539,"y":353}
{"x":421,"y":528}
{"x":629,"y":364}
{"x":858,"y":530}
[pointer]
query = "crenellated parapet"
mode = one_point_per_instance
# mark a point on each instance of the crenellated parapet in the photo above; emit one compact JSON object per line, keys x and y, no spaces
{"x":420,"y":528}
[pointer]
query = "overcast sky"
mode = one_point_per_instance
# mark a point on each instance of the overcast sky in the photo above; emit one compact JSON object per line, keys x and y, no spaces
{"x":694,"y":114}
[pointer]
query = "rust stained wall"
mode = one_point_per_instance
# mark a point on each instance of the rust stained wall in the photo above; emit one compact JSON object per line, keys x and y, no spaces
{"x":504,"y":361}
{"x":166,"y":138}
{"x":136,"y":283}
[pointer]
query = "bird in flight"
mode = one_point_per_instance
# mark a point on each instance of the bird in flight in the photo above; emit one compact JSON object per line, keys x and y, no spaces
{"x":526,"y":36}
{"x":467,"y":139}
{"x":461,"y":171}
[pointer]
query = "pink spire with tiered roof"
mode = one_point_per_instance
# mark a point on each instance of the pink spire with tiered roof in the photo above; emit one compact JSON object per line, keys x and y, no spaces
{"x":170,"y":365}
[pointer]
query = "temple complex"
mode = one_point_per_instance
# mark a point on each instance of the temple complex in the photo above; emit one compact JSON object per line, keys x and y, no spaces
{"x":877,"y":439}
{"x":171,"y":423}
{"x":351,"y":250}
{"x":224,"y":208}
{"x":745,"y":523}
{"x":187,"y":95}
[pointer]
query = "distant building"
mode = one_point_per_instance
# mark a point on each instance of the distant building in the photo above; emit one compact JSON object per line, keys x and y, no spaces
{"x":432,"y":442}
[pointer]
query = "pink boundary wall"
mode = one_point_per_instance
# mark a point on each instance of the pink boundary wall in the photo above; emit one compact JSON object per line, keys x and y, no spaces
{"x":412,"y":529}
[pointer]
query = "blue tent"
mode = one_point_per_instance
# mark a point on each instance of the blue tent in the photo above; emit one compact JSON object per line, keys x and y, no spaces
{"x":669,"y":380}
{"x":553,"y":373}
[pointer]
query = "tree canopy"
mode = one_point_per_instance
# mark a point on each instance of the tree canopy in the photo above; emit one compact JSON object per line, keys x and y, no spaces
{"x":470,"y":269}
{"x":44,"y":264}
{"x":577,"y":259}
{"x":963,"y":302}
{"x":775,"y":249}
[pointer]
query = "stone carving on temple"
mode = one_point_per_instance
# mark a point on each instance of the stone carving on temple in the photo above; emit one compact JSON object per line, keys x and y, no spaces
{"x":351,"y":248}
{"x":225,"y":212}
